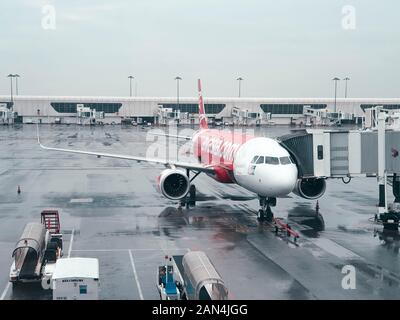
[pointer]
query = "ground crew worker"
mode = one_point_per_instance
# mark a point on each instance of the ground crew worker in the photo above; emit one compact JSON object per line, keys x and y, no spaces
{"x":288,"y":230}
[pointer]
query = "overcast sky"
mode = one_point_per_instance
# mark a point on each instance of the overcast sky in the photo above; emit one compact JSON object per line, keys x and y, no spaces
{"x":285,"y":48}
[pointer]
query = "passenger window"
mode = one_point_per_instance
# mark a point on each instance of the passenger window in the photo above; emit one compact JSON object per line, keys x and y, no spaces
{"x":254,"y":159}
{"x":285,"y":160}
{"x":271,"y":160}
{"x":260,"y":160}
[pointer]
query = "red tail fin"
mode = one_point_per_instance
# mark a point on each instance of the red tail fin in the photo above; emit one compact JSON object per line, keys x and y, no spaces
{"x":202,"y":113}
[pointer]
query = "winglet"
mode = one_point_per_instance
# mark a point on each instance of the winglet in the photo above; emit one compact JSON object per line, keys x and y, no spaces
{"x":202,"y":113}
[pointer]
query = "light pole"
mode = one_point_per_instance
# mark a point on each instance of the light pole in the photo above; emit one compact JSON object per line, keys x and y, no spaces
{"x":16,"y":83}
{"x":177,"y":89}
{"x":336,"y":79}
{"x":11,"y":76}
{"x":240,"y":79}
{"x":177,"y":78}
{"x":345,"y":90}
{"x":130,"y":85}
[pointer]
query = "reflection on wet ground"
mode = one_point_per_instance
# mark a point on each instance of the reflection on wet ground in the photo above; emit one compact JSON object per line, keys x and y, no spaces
{"x":114,"y":211}
{"x":389,"y":239}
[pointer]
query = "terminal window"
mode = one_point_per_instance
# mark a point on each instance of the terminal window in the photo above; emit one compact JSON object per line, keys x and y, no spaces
{"x":70,"y":107}
{"x":288,"y":108}
{"x":210,"y":108}
{"x":385,"y":106}
{"x":7,"y":104}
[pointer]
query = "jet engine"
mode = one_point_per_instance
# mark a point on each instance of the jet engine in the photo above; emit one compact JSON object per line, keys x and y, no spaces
{"x":173,"y":184}
{"x":312,"y":188}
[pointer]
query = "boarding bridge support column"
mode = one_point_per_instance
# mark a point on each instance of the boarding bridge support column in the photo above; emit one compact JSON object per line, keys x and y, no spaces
{"x":396,"y":188}
{"x":389,"y":217}
{"x":382,"y":207}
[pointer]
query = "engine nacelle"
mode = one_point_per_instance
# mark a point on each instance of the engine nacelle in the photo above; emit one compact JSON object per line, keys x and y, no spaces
{"x":173,"y":184}
{"x":312,"y":188}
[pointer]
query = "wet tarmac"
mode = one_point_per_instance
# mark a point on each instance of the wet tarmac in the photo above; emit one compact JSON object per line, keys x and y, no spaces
{"x":111,"y":210}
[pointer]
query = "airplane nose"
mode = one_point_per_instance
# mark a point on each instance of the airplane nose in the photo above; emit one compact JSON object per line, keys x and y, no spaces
{"x":286,"y":184}
{"x":280,"y":181}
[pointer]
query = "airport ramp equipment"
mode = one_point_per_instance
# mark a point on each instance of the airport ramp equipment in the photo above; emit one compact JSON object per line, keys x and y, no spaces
{"x":76,"y":279}
{"x":205,"y":281}
{"x":51,"y":220}
{"x":28,"y":253}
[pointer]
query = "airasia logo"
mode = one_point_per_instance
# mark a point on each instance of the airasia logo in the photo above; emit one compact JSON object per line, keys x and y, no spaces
{"x":219,"y":148}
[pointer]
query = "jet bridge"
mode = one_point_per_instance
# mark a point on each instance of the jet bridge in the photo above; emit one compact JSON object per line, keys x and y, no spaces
{"x":353,"y":153}
{"x":341,"y":154}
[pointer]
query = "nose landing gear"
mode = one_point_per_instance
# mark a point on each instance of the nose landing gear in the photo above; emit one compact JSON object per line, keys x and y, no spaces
{"x":265,"y":213}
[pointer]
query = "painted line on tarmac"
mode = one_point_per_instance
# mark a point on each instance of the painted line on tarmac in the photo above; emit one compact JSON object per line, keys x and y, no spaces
{"x":136,"y":276}
{"x":3,"y":295}
{"x":136,"y":249}
{"x":70,"y":242}
{"x":335,"y":249}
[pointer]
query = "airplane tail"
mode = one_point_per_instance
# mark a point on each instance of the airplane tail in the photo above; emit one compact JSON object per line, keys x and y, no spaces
{"x":202,"y":113}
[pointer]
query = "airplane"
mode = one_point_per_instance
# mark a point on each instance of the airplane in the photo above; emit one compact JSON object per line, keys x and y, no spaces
{"x":258,"y":164}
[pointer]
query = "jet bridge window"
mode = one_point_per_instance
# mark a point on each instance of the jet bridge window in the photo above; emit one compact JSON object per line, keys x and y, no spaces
{"x":285,"y":160}
{"x":271,"y":160}
{"x":320,"y":152}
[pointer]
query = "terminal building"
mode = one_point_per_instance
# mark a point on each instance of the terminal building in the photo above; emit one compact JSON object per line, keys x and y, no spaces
{"x":164,"y":111}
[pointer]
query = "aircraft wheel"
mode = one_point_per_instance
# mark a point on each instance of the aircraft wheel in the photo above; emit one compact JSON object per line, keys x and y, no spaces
{"x":271,"y":202}
{"x":192,"y":195}
{"x":261,"y":215}
{"x":269,"y":215}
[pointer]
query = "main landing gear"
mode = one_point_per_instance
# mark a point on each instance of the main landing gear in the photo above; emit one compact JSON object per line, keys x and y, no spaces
{"x":190,"y":199}
{"x":265,"y":213}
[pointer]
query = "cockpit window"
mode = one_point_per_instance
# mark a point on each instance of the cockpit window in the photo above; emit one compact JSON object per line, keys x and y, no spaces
{"x":260,"y":160}
{"x":285,"y":160}
{"x":254,"y":159}
{"x":271,"y":160}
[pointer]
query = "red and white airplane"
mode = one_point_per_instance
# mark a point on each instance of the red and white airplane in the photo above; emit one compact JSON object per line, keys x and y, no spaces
{"x":258,"y":164}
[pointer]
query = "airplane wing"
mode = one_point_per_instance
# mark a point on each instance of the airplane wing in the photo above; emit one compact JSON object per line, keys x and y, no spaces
{"x":171,"y":135}
{"x":186,"y":165}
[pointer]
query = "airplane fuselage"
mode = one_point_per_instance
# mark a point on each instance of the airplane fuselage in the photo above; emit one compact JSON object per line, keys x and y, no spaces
{"x":258,"y":164}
